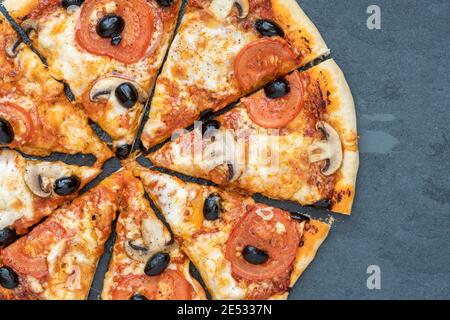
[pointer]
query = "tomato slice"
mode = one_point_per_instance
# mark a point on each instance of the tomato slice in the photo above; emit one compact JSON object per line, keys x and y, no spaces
{"x":277,"y":236}
{"x":139,"y":18}
{"x":20,"y":119}
{"x":28,"y":255}
{"x":262,"y":60}
{"x":170,"y":285}
{"x":276,"y":113}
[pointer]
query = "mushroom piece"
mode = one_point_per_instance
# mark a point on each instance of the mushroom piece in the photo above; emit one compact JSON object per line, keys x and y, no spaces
{"x":222,"y":8}
{"x":103,"y":90}
{"x":155,"y":238}
{"x":329,"y":149}
{"x":41,"y":178}
{"x":11,"y":48}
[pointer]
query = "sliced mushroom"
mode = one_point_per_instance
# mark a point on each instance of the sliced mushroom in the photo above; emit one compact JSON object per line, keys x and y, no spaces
{"x":329,"y":149}
{"x":222,"y":8}
{"x":40,"y":178}
{"x":103,"y":90}
{"x":155,"y":238}
{"x":11,"y":48}
{"x":223,"y":156}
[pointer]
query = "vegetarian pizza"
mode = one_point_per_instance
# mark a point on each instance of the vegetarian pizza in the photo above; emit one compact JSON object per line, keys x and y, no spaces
{"x":108,"y":52}
{"x":35,"y":115}
{"x":58,"y":258}
{"x":289,"y":133}
{"x":243,"y":250}
{"x":223,"y":50}
{"x":296,"y":139}
{"x":147,"y":263}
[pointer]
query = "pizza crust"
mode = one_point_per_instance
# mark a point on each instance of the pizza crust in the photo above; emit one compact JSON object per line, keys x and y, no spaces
{"x":299,"y":29}
{"x":341,"y":114}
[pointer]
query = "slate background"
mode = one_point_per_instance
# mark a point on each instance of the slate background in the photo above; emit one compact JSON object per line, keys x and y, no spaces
{"x":399,"y":77}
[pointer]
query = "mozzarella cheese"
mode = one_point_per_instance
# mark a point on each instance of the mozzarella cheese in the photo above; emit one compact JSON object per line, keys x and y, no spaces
{"x":16,"y":200}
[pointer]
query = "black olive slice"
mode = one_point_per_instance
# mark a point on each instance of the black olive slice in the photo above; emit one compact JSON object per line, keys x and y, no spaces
{"x":69,"y":3}
{"x":66,"y":185}
{"x":212,"y":207}
{"x":110,"y":26}
{"x":6,"y":132}
{"x":254,"y":255}
{"x":157,"y":264}
{"x":277,"y":89}
{"x":165,"y":3}
{"x":7,"y":236}
{"x":127,"y":94}
{"x":138,"y":297}
{"x":268,"y":28}
{"x":8,"y":278}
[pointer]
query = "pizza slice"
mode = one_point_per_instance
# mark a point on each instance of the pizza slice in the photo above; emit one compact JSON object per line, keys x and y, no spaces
{"x":294,"y":140}
{"x":35,"y":115}
{"x":243,"y":250}
{"x":58,"y":258}
{"x":31,"y":190}
{"x":107,"y":51}
{"x":225,"y":49}
{"x":146,"y":262}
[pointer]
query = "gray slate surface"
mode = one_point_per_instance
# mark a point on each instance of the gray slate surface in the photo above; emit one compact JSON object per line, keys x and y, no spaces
{"x":400,"y":80}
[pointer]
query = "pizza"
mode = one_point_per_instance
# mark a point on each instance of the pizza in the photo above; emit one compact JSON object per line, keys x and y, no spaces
{"x":296,"y":139}
{"x":242,"y":249}
{"x":147,"y":263}
{"x":108,"y":52}
{"x":58,"y":258}
{"x":32,"y":189}
{"x":275,"y":114}
{"x":223,"y":50}
{"x":35,"y":115}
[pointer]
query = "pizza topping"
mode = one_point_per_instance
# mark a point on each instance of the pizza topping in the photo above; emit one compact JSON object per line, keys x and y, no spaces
{"x":222,"y":8}
{"x":212,"y":207}
{"x":125,"y":34}
{"x":67,"y":185}
{"x":155,"y":238}
{"x":165,"y":3}
{"x":329,"y":149}
{"x":261,"y":60}
{"x":20,"y":120}
{"x":276,"y":113}
{"x":210,"y":125}
{"x":268,"y":28}
{"x":255,"y":255}
{"x":7,"y":236}
{"x":257,"y":251}
{"x":28,"y":255}
{"x":43,"y":179}
{"x":170,"y":285}
{"x":111,"y":26}
{"x":157,"y":264}
{"x":127,"y":95}
{"x":126,"y":92}
{"x":138,"y":297}
{"x":6,"y":132}
{"x":277,"y":89}
{"x":66,"y":4}
{"x":8,"y":278}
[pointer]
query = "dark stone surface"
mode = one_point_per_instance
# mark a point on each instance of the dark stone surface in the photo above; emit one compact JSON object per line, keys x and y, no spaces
{"x":399,"y":77}
{"x":400,"y":80}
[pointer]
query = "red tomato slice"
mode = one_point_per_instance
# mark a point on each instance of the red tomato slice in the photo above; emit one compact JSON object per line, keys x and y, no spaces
{"x":139,"y":19}
{"x":262,"y":60}
{"x":170,"y":285}
{"x":20,"y":119}
{"x":28,"y":255}
{"x":276,"y":113}
{"x":278,"y":237}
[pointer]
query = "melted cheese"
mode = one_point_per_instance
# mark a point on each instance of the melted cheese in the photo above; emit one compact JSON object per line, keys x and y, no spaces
{"x":16,"y":201}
